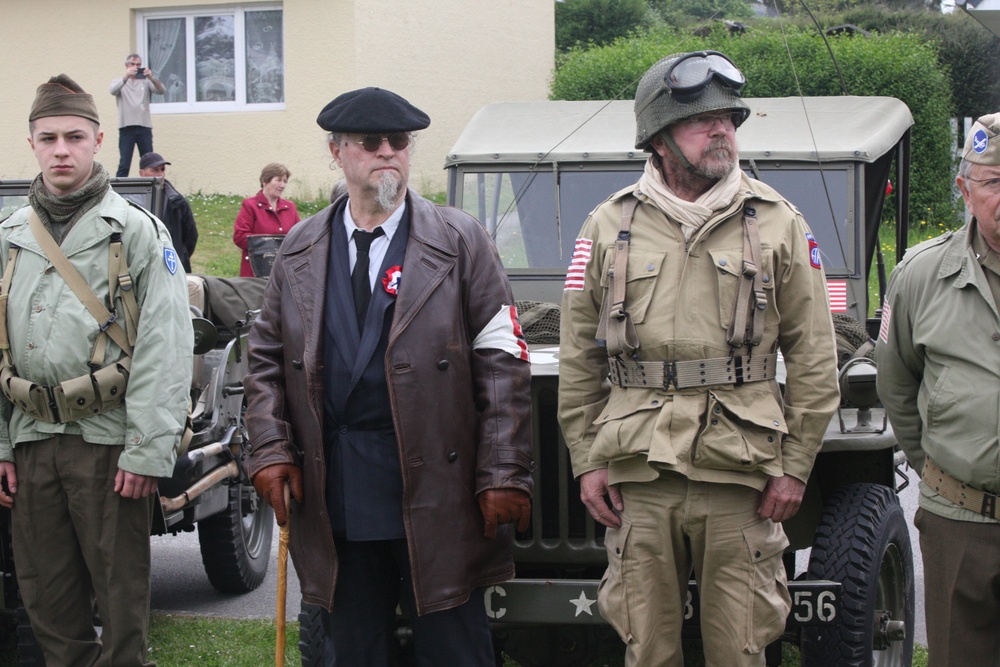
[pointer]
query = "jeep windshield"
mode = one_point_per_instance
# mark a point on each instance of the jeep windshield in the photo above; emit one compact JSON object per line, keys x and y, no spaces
{"x":531,"y":172}
{"x":146,"y":192}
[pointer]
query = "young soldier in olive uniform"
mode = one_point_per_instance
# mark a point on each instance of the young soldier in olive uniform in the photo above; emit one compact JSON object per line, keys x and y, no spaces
{"x":939,"y":378}
{"x":682,"y":288}
{"x":96,"y":378}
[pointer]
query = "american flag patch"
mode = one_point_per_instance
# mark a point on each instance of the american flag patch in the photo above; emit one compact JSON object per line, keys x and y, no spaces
{"x":838,"y":295}
{"x":578,"y":265}
{"x":883,"y":329}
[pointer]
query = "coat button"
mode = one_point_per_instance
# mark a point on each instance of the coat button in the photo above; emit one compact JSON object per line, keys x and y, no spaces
{"x":996,"y":336}
{"x":452,"y":457}
{"x":297,"y":364}
{"x":342,"y":429}
{"x":443,"y":365}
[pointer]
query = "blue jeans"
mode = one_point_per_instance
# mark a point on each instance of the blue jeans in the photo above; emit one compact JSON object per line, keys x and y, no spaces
{"x":129,"y":137}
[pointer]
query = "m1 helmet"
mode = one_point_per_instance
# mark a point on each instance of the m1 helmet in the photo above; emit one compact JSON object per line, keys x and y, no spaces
{"x":683,"y":85}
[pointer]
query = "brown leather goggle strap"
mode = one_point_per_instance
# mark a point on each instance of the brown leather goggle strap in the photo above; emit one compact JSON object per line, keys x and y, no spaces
{"x":745,"y":327}
{"x":615,"y":324}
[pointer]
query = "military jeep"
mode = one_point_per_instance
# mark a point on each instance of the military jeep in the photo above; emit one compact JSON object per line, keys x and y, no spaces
{"x":531,"y":172}
{"x":209,"y":489}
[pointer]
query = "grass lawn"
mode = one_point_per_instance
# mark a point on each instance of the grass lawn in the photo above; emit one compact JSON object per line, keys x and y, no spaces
{"x":175,"y":641}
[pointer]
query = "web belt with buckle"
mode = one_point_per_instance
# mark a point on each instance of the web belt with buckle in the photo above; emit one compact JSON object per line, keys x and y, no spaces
{"x":715,"y":372}
{"x":960,"y":493}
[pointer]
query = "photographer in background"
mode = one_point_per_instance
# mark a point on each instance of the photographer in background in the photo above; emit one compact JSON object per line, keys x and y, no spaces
{"x":135,"y":126}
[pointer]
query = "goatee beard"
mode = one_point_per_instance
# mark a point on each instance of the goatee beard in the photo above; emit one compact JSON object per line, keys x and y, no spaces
{"x":388,"y":192}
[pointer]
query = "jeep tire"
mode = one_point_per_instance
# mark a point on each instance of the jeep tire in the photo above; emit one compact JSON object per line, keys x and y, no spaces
{"x":862,"y":541}
{"x":236,"y":543}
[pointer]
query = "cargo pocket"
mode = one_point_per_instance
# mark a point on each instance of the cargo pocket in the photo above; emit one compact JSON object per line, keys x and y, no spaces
{"x":768,"y":601}
{"x":728,"y":265}
{"x":613,"y":592}
{"x":624,"y":429}
{"x":643,"y":268}
{"x":741,"y":430}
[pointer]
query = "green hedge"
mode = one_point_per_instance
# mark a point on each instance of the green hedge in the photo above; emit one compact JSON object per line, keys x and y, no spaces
{"x":897,"y":65}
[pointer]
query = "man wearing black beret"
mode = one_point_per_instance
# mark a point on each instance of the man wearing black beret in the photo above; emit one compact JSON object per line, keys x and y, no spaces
{"x":389,"y":389}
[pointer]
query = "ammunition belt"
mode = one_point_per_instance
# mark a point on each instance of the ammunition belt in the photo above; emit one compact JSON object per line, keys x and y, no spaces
{"x":85,"y":396}
{"x":719,"y":371}
{"x":960,"y":493}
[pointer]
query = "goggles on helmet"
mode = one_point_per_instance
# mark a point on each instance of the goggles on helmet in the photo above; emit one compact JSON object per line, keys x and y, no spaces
{"x":688,"y":77}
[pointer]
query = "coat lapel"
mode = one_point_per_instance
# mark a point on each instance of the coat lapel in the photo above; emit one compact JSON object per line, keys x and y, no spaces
{"x":430,"y":256}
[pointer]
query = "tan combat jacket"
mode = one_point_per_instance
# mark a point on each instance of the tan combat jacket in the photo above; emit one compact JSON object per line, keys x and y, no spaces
{"x":939,"y":367}
{"x":680,"y":295}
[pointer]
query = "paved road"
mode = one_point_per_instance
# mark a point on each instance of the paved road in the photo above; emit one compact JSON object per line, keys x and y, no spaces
{"x":179,"y":583}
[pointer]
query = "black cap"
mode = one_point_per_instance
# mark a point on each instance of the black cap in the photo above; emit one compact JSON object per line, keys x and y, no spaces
{"x":371,"y":110}
{"x":151,"y":160}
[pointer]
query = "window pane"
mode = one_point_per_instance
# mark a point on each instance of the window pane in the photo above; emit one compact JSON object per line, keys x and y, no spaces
{"x":265,"y":57}
{"x":167,"y":49}
{"x":215,"y":57}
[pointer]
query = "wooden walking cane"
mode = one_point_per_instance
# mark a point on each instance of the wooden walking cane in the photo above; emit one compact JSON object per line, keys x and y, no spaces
{"x":279,"y":644}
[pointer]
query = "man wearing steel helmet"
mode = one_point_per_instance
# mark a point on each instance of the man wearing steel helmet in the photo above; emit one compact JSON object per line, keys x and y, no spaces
{"x":939,"y":378}
{"x":393,"y":401}
{"x":682,"y":289}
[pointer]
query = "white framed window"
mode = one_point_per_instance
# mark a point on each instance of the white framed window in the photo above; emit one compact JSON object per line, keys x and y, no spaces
{"x":211,"y":59}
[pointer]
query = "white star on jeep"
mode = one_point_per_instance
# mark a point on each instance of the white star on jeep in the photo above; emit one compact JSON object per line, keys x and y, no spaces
{"x":582,"y":604}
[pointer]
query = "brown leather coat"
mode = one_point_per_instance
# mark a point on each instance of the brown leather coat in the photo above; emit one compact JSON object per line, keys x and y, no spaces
{"x":462,"y":416}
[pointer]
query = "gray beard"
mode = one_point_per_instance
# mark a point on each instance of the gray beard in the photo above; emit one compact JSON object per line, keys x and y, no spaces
{"x":388,"y":192}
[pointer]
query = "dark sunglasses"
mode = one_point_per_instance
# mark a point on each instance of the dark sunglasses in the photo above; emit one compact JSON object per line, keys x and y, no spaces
{"x":372,"y":142}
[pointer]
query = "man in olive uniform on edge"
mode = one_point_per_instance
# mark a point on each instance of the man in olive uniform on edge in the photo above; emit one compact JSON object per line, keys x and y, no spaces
{"x":690,"y":441}
{"x":939,"y":378}
{"x":96,"y":395}
{"x":389,"y":387}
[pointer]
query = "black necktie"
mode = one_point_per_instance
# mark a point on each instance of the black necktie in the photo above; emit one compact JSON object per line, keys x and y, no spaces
{"x":359,"y":277}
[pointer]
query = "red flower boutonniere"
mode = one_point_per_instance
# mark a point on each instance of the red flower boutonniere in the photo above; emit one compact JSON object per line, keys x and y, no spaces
{"x":391,"y":279}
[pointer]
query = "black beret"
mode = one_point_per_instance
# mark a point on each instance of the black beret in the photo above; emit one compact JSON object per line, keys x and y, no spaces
{"x":371,"y":110}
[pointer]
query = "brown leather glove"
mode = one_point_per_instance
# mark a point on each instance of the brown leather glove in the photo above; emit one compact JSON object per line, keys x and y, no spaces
{"x":270,"y":483}
{"x":504,"y":506}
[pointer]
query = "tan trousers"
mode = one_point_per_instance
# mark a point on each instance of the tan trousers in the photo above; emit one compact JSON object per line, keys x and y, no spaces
{"x":961,"y":590}
{"x":672,"y":526}
{"x":75,"y":540}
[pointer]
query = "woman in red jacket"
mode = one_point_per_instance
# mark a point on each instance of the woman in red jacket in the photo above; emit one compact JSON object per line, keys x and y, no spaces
{"x":266,"y":213}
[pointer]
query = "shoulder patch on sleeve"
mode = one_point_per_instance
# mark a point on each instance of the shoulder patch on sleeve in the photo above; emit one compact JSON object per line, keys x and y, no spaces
{"x":576,"y":273}
{"x":883,"y":329}
{"x":814,"y":255}
{"x":170,"y":260}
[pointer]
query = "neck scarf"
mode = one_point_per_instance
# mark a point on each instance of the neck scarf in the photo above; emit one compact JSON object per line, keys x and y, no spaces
{"x":690,"y":215}
{"x":59,"y":214}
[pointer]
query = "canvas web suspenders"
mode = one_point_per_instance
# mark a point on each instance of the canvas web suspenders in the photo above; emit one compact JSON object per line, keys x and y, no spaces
{"x":746,"y":327}
{"x":615,"y":324}
{"x":104,"y":388}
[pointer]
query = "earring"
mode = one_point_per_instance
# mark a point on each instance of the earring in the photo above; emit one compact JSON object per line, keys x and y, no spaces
{"x":333,"y":165}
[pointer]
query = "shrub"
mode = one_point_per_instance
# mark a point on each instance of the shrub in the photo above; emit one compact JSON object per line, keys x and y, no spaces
{"x":898,"y":65}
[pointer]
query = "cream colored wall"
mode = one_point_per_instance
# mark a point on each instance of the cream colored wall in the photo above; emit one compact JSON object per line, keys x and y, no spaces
{"x":448,"y":57}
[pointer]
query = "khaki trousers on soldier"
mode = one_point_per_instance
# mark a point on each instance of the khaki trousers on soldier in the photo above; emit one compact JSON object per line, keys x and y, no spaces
{"x":76,"y":539}
{"x":672,"y":526}
{"x":961,"y":590}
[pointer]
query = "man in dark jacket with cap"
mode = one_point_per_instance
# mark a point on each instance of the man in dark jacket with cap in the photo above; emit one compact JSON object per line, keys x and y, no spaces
{"x":176,"y":214}
{"x":93,"y":404}
{"x":389,"y":389}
